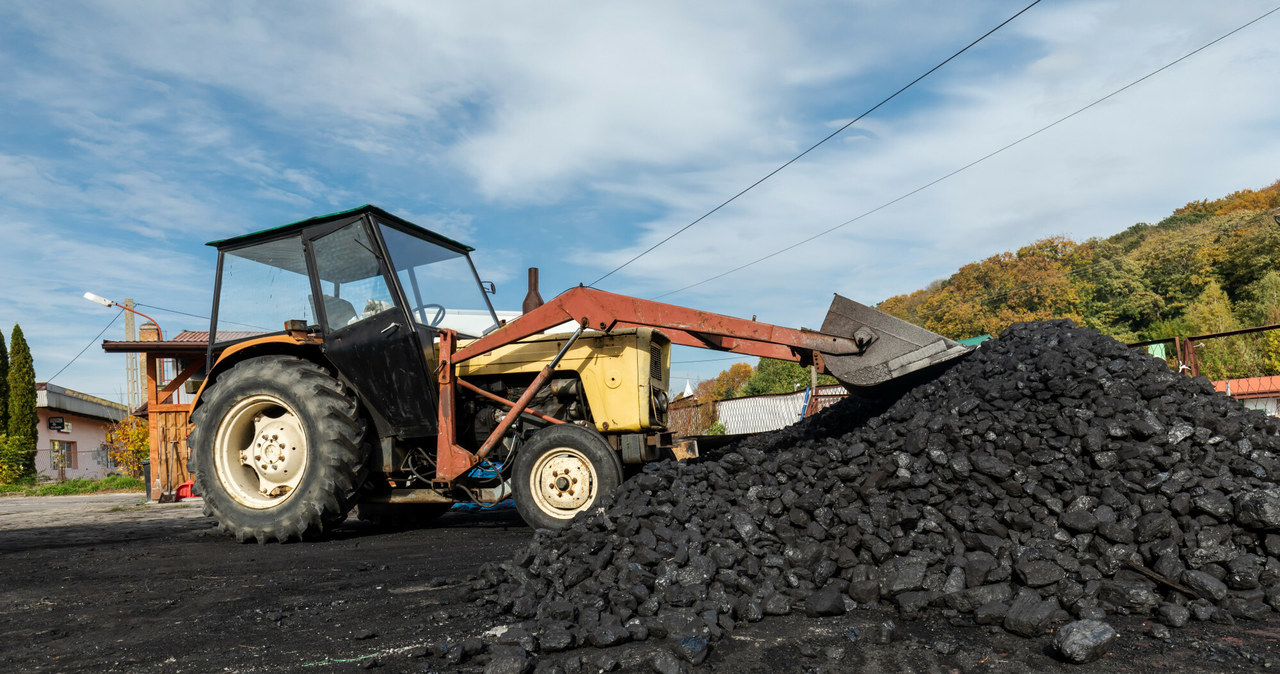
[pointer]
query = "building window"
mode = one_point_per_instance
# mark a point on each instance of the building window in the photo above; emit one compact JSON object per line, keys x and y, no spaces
{"x":63,"y":454}
{"x":103,"y":456}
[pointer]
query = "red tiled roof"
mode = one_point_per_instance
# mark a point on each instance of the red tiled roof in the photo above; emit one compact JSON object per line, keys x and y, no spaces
{"x":202,"y":336}
{"x":1251,"y":387}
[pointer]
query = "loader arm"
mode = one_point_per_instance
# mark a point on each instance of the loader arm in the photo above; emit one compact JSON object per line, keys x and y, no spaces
{"x":689,"y":327}
{"x":870,"y":349}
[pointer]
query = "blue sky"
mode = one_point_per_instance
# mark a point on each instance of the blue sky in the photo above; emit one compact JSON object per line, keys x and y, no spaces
{"x":571,"y":136}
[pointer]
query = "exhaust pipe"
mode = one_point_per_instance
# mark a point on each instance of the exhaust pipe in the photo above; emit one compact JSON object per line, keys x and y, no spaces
{"x":532,"y":300}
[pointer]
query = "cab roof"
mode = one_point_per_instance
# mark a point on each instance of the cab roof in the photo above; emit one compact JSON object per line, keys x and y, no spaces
{"x":283,"y":230}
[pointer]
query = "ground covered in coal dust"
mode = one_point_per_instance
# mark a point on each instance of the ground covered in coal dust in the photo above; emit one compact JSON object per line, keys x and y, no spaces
{"x":1053,"y":497}
{"x":116,"y":585}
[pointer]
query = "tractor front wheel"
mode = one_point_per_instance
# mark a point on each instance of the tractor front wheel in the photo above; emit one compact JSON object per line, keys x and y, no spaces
{"x":278,"y":450}
{"x":561,"y":471}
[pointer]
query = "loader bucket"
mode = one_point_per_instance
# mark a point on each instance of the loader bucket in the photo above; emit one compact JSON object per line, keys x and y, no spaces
{"x":896,"y":349}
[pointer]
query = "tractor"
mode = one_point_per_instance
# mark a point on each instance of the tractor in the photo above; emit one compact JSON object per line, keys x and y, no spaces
{"x":355,"y":360}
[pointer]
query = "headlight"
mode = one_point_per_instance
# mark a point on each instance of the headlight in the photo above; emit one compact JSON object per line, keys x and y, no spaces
{"x":660,"y":401}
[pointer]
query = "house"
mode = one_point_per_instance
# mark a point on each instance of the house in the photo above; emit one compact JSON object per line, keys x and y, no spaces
{"x":1259,"y":393}
{"x":73,"y":429}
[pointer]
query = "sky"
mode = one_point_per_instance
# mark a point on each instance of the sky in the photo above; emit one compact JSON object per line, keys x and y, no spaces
{"x":573,"y":136}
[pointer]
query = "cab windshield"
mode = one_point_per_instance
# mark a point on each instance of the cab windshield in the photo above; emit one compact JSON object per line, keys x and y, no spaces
{"x":441,"y":284}
{"x":263,"y":285}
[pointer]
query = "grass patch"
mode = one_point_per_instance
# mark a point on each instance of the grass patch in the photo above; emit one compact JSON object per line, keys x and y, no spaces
{"x":113,"y":483}
{"x":18,"y":486}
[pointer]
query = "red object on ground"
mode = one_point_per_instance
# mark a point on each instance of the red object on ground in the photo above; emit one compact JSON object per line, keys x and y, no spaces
{"x":184,"y":490}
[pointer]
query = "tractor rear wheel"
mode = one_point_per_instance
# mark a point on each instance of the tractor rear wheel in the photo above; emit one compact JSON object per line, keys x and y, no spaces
{"x":278,"y":448}
{"x":561,"y":471}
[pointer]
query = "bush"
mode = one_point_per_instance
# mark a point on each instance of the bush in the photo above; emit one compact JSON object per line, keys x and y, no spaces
{"x":15,"y":456}
{"x":130,"y":444}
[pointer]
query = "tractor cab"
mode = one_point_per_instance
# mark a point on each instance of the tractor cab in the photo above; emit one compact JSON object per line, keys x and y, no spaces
{"x":371,"y":290}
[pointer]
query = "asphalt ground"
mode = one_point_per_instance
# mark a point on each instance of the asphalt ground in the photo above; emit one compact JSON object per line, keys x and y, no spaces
{"x":113,"y":583}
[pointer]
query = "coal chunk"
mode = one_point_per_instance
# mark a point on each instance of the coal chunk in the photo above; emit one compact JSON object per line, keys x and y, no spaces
{"x":666,"y":662}
{"x":1173,"y":615}
{"x":694,"y":649}
{"x":829,"y":601}
{"x":1039,"y":573}
{"x":1204,"y":584}
{"x":1029,"y":615}
{"x":509,"y":664}
{"x":1259,"y":510}
{"x":1084,"y":640}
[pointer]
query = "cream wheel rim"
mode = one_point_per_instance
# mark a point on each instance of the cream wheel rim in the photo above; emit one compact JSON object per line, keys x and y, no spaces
{"x":564,"y":482}
{"x":260,"y":452}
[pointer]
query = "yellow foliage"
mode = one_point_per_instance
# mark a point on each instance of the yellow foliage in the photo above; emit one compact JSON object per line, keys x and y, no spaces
{"x":1271,"y":359}
{"x":1264,"y":199}
{"x":130,"y":442}
{"x":727,"y":384}
{"x":9,"y":470}
{"x":985,"y":297}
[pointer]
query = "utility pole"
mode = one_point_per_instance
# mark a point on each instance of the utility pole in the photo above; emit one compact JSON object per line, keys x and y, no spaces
{"x":133,"y":373}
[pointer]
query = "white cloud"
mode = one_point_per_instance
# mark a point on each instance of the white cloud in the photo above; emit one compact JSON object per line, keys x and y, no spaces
{"x":1202,"y":128}
{"x":574,"y":136}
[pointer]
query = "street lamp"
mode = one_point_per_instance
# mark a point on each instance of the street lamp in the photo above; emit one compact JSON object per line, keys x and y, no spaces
{"x":110,"y":303}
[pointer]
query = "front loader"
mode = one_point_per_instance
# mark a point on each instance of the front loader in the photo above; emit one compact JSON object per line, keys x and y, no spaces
{"x":355,"y":360}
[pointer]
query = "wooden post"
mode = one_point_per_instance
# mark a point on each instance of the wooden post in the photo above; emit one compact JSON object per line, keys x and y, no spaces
{"x":153,"y":422}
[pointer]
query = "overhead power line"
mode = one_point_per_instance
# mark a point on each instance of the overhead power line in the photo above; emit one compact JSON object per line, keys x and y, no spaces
{"x":978,"y":160}
{"x":813,"y":147}
{"x":172,"y":311}
{"x":708,"y":360}
{"x":203,"y":318}
{"x":86,"y":346}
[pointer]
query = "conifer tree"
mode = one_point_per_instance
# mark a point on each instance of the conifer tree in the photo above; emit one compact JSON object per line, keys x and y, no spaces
{"x":4,"y":385}
{"x":23,"y":421}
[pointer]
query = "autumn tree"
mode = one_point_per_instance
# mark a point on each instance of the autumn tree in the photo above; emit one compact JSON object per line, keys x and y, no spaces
{"x":1252,"y":249}
{"x":1211,"y":312}
{"x":1265,"y":199}
{"x":1263,"y":304}
{"x":1141,"y":283}
{"x":1223,"y":357}
{"x":1119,"y":302}
{"x":727,"y":384}
{"x":780,"y":376}
{"x":907,"y":307}
{"x":130,"y":443}
{"x":1030,"y":284}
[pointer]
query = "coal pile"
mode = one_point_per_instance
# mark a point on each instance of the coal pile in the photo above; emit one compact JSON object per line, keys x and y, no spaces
{"x":1053,"y":475}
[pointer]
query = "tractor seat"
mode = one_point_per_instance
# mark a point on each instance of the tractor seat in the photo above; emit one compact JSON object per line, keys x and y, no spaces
{"x":338,"y":311}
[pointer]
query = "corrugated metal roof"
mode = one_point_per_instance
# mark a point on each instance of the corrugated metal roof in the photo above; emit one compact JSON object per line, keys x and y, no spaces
{"x":758,"y":414}
{"x":56,"y":397}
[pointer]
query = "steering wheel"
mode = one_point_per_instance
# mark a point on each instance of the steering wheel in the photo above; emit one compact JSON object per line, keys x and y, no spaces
{"x":437,"y":318}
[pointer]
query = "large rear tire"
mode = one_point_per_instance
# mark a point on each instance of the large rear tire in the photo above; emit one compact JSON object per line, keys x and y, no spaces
{"x":278,"y":447}
{"x":561,"y":471}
